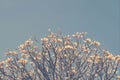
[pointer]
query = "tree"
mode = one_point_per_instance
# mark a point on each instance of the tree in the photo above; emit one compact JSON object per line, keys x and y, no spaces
{"x":60,"y":58}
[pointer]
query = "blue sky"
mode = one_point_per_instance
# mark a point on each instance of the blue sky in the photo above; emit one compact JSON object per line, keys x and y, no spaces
{"x":21,"y":19}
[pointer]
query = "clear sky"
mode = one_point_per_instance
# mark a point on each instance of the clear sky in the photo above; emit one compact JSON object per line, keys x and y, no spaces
{"x":21,"y":19}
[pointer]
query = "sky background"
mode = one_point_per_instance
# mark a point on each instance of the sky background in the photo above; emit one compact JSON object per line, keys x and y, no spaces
{"x":21,"y":19}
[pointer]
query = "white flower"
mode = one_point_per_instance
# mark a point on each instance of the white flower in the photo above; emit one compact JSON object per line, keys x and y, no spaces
{"x":21,"y":47}
{"x":69,"y":47}
{"x":59,"y":40}
{"x":106,"y":53}
{"x":11,"y":53}
{"x":88,"y":40}
{"x":28,"y":42}
{"x":58,"y":49}
{"x":96,"y":43}
{"x":23,"y":61}
{"x":8,"y":60}
{"x":44,"y":40}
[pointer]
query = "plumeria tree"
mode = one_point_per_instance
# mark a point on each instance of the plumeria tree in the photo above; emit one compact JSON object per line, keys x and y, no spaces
{"x":58,"y":57}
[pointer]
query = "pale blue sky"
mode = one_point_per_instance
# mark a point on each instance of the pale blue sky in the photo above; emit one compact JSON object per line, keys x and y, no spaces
{"x":20,"y":19}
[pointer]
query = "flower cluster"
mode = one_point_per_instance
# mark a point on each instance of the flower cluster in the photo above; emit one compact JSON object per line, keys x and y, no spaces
{"x":60,"y":58}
